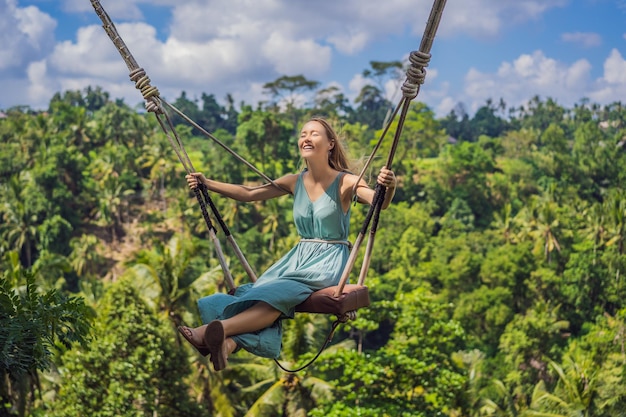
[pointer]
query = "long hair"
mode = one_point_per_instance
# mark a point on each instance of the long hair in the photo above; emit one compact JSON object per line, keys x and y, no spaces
{"x":337,"y":158}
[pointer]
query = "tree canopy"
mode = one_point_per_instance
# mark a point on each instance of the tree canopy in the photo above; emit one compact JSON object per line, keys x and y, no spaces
{"x":496,"y":281}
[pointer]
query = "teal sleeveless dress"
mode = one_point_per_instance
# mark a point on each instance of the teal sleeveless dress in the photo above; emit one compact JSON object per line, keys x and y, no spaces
{"x":308,"y":267}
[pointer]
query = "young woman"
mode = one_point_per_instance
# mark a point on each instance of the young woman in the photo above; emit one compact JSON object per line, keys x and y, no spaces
{"x":323,"y":192}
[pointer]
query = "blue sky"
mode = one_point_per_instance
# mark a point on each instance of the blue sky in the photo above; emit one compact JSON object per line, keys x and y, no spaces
{"x":485,"y":49}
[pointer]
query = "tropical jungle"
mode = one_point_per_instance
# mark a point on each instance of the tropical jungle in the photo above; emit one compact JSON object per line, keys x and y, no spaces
{"x":496,"y":278}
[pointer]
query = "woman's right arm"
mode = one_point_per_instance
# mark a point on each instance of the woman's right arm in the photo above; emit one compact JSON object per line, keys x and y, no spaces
{"x":286,"y":184}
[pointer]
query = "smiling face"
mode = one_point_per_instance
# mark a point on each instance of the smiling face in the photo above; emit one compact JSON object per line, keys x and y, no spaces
{"x":314,"y":141}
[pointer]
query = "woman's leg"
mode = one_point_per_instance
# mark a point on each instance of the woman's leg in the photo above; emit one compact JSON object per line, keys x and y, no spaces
{"x":218,"y":339}
{"x":257,"y":317}
{"x":217,"y":335}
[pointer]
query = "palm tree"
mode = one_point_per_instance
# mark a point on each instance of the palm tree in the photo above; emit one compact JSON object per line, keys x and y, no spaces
{"x":615,"y":208}
{"x":291,"y":395}
{"x":110,"y":204}
{"x":213,"y":390}
{"x":503,"y":402}
{"x":304,"y":334}
{"x":110,"y":182}
{"x":260,"y":387}
{"x":71,"y":123}
{"x":542,"y":224}
{"x":85,"y":258}
{"x":547,"y":228}
{"x":595,"y":226}
{"x":164,"y":278}
{"x":505,"y":222}
{"x":121,"y":125}
{"x":20,"y":223}
{"x":573,"y":394}
{"x":157,"y":158}
{"x":272,"y":220}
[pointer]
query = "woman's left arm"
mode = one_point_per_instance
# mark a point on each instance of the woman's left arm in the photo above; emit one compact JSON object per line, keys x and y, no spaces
{"x":386,"y":178}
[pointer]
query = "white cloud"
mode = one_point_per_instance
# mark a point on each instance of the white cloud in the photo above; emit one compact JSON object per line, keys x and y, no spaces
{"x":585,"y":39}
{"x":348,"y":25}
{"x":312,"y":58}
{"x":615,"y":68}
{"x":25,"y":34}
{"x":611,"y":86}
{"x":91,"y":55}
{"x":92,"y":60}
{"x":356,"y":84}
{"x":204,"y":63}
{"x":36,"y":25}
{"x":41,"y":88}
{"x":528,"y":75}
{"x":236,"y":46}
{"x":487,"y":18}
{"x":536,"y":74}
{"x":349,"y":43}
{"x":445,"y":106}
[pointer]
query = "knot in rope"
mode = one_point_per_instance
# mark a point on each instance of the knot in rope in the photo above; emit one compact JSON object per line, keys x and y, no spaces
{"x":346,"y":317}
{"x":150,"y":94}
{"x":416,"y":74}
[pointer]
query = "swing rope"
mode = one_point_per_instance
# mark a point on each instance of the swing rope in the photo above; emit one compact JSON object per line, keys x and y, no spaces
{"x":416,"y":74}
{"x":153,"y":103}
{"x":415,"y":77}
{"x":341,"y":319}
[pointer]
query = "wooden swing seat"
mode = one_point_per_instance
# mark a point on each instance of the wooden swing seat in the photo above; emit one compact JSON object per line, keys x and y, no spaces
{"x":323,"y":301}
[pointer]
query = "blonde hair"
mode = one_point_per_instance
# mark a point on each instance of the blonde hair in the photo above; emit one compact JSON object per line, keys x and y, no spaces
{"x":337,"y":157}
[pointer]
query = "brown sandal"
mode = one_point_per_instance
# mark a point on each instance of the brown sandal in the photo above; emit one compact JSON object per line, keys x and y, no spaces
{"x":214,"y":339}
{"x":187,"y":333}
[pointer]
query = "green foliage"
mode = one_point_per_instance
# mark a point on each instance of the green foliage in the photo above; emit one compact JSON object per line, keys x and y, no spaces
{"x":413,"y":375}
{"x":285,"y":88}
{"x":271,"y":139}
{"x":604,"y":345}
{"x":166,"y":278}
{"x":488,"y":120}
{"x":132,"y":366}
{"x":590,"y":380}
{"x":37,"y":322}
{"x":528,"y":342}
{"x":589,"y":288}
{"x":373,"y":107}
{"x":496,"y":279}
{"x":35,"y":326}
{"x":332,"y":103}
{"x":208,"y":114}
